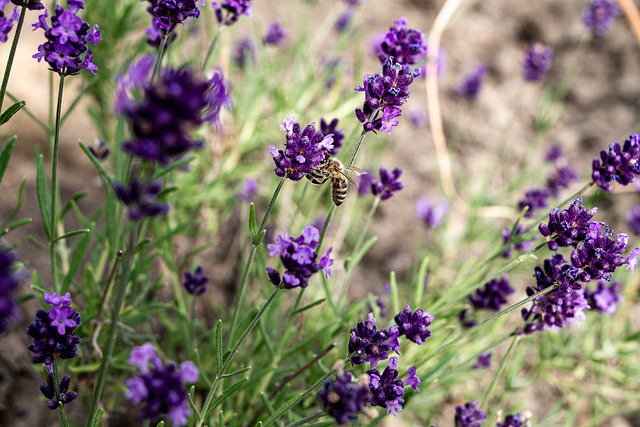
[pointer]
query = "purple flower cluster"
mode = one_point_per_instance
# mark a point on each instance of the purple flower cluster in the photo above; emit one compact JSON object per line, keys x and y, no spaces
{"x":432,"y":214}
{"x":195,"y":283}
{"x":516,"y":420}
{"x":66,"y":49}
{"x":343,"y":399}
{"x":161,"y":389}
{"x":64,"y":395}
{"x":332,"y":128}
{"x":141,"y":198}
{"x":387,"y":390}
{"x":469,"y":415}
{"x":245,"y":51}
{"x":568,"y":227}
{"x":619,"y":164}
{"x":275,"y":34}
{"x":599,"y":16}
{"x":299,"y":258}
{"x":534,"y":199}
{"x":248,"y":191}
{"x":6,"y":22}
{"x":384,"y":95}
{"x":405,"y":45}
{"x":303,"y":150}
{"x":29,"y":4}
{"x":344,"y":20}
{"x":388,"y":185}
{"x":177,"y":101}
{"x":483,"y":362}
{"x":54,"y":331}
{"x":605,"y":297}
{"x":633,"y":219}
{"x":229,"y":11}
{"x":537,"y":61}
{"x":166,"y":14}
{"x":514,"y":241}
{"x":10,"y":278}
{"x":414,"y":325}
{"x":470,"y":86}
{"x":493,"y":295}
{"x":368,"y":344}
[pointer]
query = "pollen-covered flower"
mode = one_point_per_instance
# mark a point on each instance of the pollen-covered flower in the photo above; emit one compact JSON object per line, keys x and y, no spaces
{"x":469,"y":415}
{"x":535,"y":199}
{"x":141,"y":198}
{"x":6,"y":22}
{"x":568,"y":227}
{"x":299,"y":258}
{"x":10,"y":278}
{"x":64,"y":395}
{"x":605,"y":297}
{"x":229,"y":11}
{"x":332,"y":128}
{"x":470,"y":86}
{"x":66,"y":49}
{"x":54,"y":331}
{"x":159,"y":388}
{"x":599,"y":16}
{"x":166,"y":14}
{"x":537,"y":61}
{"x":304,"y":150}
{"x":388,"y":185}
{"x":387,"y":390}
{"x":177,"y":102}
{"x":431,"y":213}
{"x":195,"y":283}
{"x":368,"y":344}
{"x":343,"y":399}
{"x":407,"y":46}
{"x":275,"y":34}
{"x":619,"y":164}
{"x":493,"y":295}
{"x":414,"y":325}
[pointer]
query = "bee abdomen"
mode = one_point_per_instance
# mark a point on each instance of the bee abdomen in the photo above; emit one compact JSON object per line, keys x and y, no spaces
{"x":339,"y":190}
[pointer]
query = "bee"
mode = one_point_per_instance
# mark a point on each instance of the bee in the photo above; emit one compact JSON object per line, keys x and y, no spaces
{"x":332,"y":168}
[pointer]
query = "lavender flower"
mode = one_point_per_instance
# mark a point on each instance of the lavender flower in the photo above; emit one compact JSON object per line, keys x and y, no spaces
{"x":568,"y":227}
{"x":516,"y":420}
{"x":470,"y":86}
{"x":343,"y":399}
{"x":633,"y":220}
{"x":534,"y":199}
{"x":388,"y":183}
{"x":384,"y":95}
{"x":10,"y":278}
{"x":135,"y":78}
{"x":245,"y":51}
{"x":554,"y":154}
{"x":493,"y":295}
{"x":365,"y":182}
{"x":29,"y":4}
{"x":304,"y":150}
{"x":166,"y":14}
{"x":195,"y":283}
{"x":432,"y":214}
{"x":605,"y":297}
{"x":387,"y":390}
{"x":64,"y":396}
{"x":483,"y":362}
{"x":537,"y":61}
{"x":559,"y":178}
{"x":599,"y":16}
{"x":248,"y":191}
{"x":299,"y":258}
{"x":414,"y":325}
{"x":275,"y":34}
{"x":368,"y":344}
{"x":332,"y":128}
{"x":177,"y":102}
{"x":100,"y":151}
{"x":469,"y":415}
{"x":229,"y":11}
{"x":6,"y":22}
{"x":161,"y":389}
{"x":344,"y":20}
{"x":140,"y":197}
{"x":515,"y":242}
{"x":620,"y":164}
{"x":406,"y":45}
{"x":53,"y":331}
{"x":66,"y":49}
{"x":418,"y":118}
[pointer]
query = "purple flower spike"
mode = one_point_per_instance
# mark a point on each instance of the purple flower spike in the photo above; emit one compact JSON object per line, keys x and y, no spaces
{"x":493,"y":295}
{"x":633,"y":220}
{"x":368,"y":344}
{"x":559,"y":178}
{"x":244,"y":52}
{"x":195,"y":283}
{"x":10,"y":279}
{"x":343,"y":399}
{"x":537,"y":62}
{"x":344,"y":20}
{"x":275,"y":34}
{"x":431,"y":214}
{"x":29,"y":4}
{"x":248,"y":192}
{"x":599,"y":16}
{"x":141,"y":198}
{"x":605,"y":297}
{"x":6,"y":22}
{"x":166,"y":14}
{"x":406,"y":45}
{"x":516,"y":420}
{"x":568,"y":227}
{"x":338,"y":134}
{"x":414,"y":325}
{"x":66,"y":49}
{"x":483,"y":362}
{"x":535,"y":199}
{"x":387,"y":390}
{"x":619,"y":164}
{"x":388,"y":184}
{"x":469,"y":415}
{"x":470,"y":86}
{"x":64,"y":396}
{"x":516,"y":242}
{"x":229,"y":11}
{"x":135,"y":78}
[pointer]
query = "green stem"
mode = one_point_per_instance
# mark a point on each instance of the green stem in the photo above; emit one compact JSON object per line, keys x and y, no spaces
{"x":503,"y":364}
{"x":212,"y":46}
{"x":12,"y":54}
{"x":247,"y":267}
{"x":158,"y":64}
{"x":54,"y":186}
{"x":220,"y":375}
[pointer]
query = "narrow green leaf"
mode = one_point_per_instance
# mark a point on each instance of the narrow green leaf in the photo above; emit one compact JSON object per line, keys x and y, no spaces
{"x":308,"y":306}
{"x":422,"y":273}
{"x":72,"y":233}
{"x":351,"y":262}
{"x":85,"y":368}
{"x":97,"y":420}
{"x":267,"y":405}
{"x":395,"y":302}
{"x":44,"y":196}
{"x":259,"y":237}
{"x":9,"y":112}
{"x":227,"y":394}
{"x":16,"y":210}
{"x":37,"y":284}
{"x":221,"y":421}
{"x":160,"y":424}
{"x":14,"y":225}
{"x":238,"y":372}
{"x":252,"y":221}
{"x":192,"y":405}
{"x":76,"y":261}
{"x":218,"y":346}
{"x":5,"y":155}
{"x":72,"y":201}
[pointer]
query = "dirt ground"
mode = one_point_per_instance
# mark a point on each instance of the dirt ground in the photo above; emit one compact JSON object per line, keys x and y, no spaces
{"x":602,"y":105}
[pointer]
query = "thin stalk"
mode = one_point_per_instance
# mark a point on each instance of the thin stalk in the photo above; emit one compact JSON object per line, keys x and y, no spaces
{"x":212,"y":46}
{"x":247,"y":267}
{"x":156,"y":67}
{"x":54,"y":185}
{"x":12,"y":54}
{"x":503,"y":364}
{"x":220,"y":375}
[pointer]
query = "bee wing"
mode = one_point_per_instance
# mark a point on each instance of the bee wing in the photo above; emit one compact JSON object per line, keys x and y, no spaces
{"x":354,"y":170}
{"x":349,"y":178}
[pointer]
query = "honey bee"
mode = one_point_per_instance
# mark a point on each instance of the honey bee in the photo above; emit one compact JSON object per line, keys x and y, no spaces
{"x":332,"y":168}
